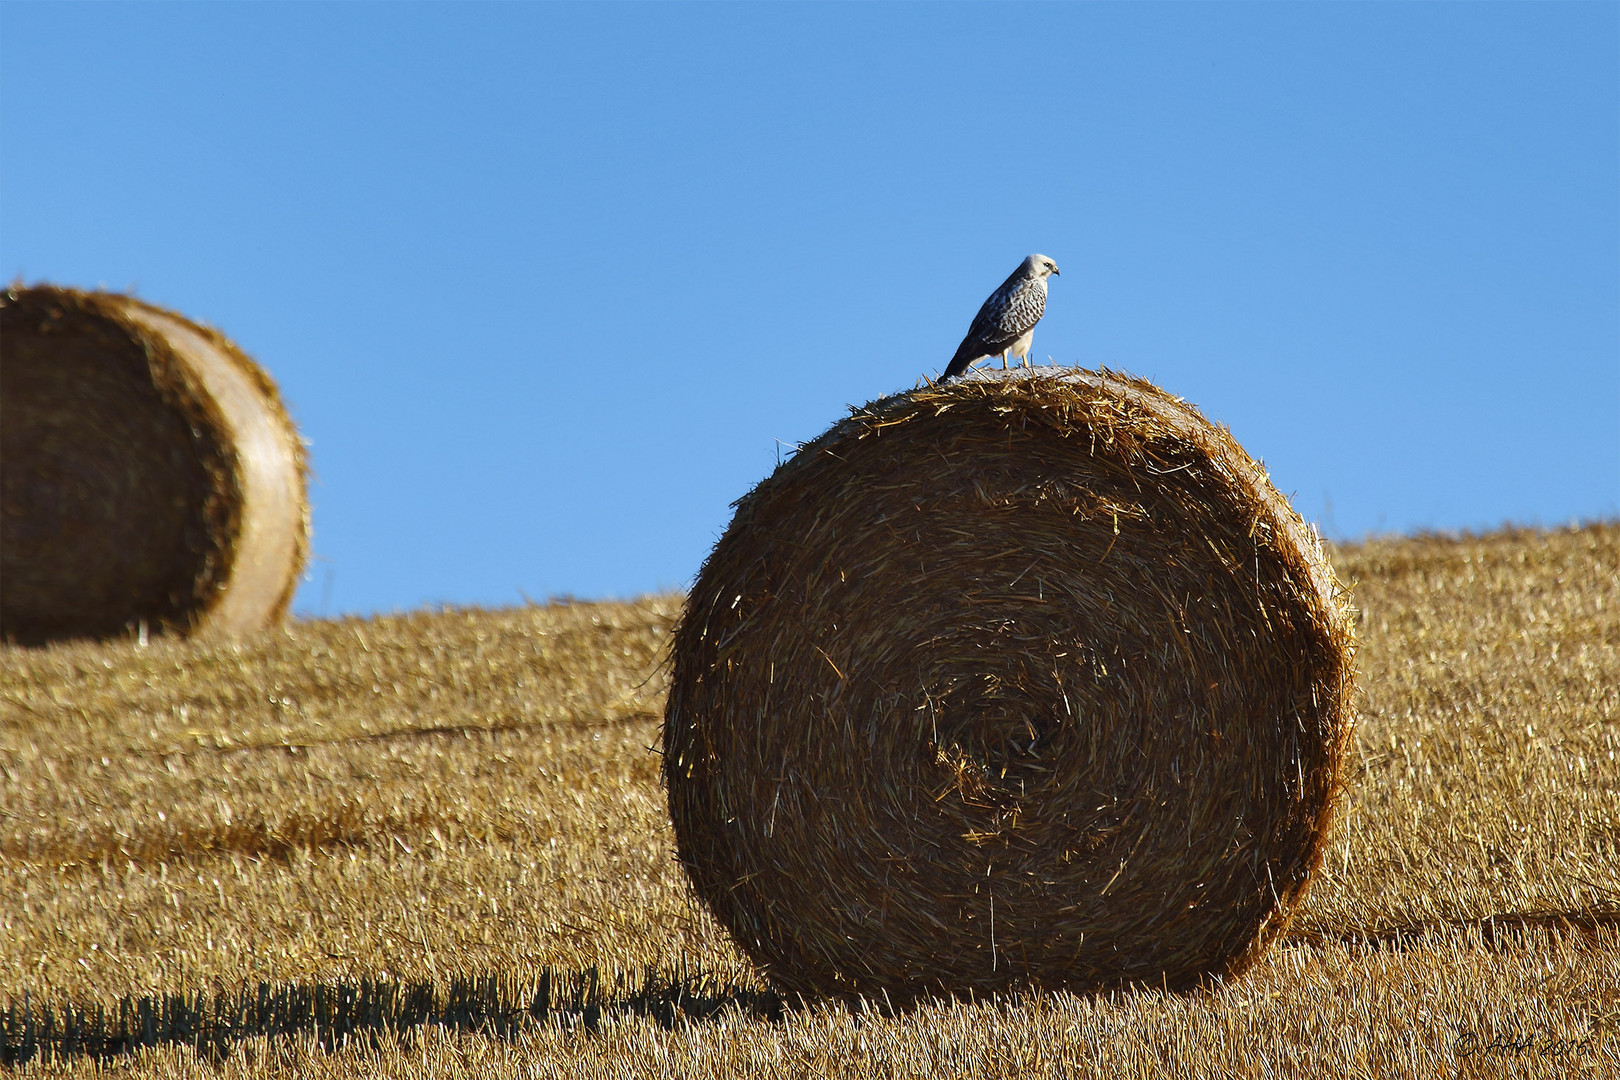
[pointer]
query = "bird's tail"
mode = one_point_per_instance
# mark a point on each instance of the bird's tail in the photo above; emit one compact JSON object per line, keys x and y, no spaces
{"x":959,"y":363}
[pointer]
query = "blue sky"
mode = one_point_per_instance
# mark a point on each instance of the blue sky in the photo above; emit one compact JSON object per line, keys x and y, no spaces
{"x":547,"y":286}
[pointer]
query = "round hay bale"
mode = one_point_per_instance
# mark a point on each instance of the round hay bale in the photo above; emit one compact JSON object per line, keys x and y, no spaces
{"x":150,"y":475}
{"x":1026,"y":679}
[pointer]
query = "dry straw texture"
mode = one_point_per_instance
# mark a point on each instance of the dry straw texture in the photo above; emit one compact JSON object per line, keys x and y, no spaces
{"x":1029,"y":678}
{"x":447,"y":797}
{"x":151,"y":476}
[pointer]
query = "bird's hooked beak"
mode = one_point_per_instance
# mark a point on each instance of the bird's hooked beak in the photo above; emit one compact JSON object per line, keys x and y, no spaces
{"x":1055,"y":272}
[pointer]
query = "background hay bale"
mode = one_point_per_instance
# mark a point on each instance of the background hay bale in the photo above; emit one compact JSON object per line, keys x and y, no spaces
{"x":149,"y":471}
{"x":1026,"y":679}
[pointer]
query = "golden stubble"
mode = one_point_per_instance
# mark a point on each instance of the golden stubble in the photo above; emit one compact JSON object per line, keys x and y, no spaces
{"x":440,"y":794}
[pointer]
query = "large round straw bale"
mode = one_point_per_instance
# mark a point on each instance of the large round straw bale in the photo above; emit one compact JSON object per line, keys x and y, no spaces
{"x":150,"y":474}
{"x":1028,"y":679}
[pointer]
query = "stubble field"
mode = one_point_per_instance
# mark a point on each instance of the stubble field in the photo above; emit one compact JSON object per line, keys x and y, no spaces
{"x":436,"y":844}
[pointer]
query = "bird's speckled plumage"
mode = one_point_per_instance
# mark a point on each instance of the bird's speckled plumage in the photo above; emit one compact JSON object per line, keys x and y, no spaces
{"x":1005,"y":325}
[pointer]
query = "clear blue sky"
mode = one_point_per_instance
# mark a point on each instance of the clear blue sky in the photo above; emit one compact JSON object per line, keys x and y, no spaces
{"x":546,"y":286}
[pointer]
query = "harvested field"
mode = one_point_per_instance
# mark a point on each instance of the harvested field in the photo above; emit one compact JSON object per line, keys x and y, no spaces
{"x":463,"y":809}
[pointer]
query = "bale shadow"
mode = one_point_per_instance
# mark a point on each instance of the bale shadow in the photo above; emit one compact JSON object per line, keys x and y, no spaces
{"x":502,"y":1004}
{"x":494,"y":1003}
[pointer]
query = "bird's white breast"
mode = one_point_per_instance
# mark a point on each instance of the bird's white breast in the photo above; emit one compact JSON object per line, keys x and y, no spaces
{"x":1020,"y":348}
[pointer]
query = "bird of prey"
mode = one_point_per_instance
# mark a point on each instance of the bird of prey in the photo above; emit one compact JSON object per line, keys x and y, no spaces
{"x":1006,"y":323}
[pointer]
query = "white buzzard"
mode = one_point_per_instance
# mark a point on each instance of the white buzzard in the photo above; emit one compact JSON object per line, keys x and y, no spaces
{"x":1006,"y":324}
